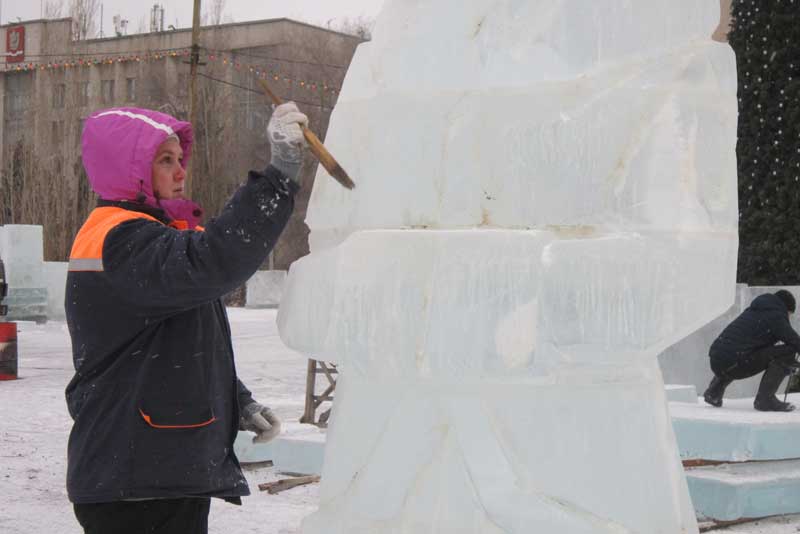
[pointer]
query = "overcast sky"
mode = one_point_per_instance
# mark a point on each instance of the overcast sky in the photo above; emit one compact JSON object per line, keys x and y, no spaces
{"x":316,"y":11}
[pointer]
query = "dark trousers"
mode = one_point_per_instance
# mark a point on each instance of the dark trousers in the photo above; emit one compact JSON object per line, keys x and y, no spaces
{"x":159,"y":516}
{"x":755,"y":362}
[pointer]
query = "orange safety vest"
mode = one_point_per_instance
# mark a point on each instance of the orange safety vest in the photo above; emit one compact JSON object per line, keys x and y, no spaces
{"x":87,"y":250}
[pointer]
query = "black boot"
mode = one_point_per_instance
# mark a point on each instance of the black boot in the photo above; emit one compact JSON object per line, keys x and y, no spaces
{"x":766,"y":401}
{"x":715,"y":391}
{"x":794,"y":383}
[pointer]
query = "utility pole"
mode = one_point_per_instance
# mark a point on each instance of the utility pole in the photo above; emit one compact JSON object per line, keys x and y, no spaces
{"x":195,"y":60}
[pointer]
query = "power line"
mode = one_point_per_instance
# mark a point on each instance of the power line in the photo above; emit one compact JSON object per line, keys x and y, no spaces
{"x":243,"y":88}
{"x":286,"y":60}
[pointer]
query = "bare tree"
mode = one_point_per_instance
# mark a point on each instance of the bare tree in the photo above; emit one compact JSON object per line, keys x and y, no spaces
{"x":358,"y":26}
{"x":84,"y":15}
{"x":214,"y":15}
{"x":53,"y":9}
{"x":141,"y":26}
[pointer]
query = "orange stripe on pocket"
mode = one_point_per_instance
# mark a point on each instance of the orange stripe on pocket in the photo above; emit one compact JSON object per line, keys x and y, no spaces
{"x":152,"y":424}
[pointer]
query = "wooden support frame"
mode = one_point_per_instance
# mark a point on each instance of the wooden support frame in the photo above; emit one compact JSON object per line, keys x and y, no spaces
{"x":314,"y":401}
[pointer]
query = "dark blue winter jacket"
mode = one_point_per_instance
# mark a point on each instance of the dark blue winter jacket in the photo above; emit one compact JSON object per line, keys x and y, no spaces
{"x":763,"y":324}
{"x":155,"y":398}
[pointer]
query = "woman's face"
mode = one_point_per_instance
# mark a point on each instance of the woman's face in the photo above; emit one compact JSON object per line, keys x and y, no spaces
{"x":168,"y":171}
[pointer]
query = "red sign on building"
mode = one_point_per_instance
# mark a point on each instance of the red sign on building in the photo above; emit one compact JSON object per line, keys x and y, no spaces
{"x":15,"y":44}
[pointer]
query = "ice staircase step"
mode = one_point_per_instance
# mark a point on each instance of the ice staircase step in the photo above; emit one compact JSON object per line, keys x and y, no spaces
{"x":735,"y":432}
{"x":764,"y":478}
{"x":300,"y":449}
{"x":301,"y":455}
{"x":681,"y":393}
{"x":252,"y":453}
{"x":750,"y":490}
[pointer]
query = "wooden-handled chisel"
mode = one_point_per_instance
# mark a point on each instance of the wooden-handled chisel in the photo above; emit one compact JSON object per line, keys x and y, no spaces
{"x":315,"y":145}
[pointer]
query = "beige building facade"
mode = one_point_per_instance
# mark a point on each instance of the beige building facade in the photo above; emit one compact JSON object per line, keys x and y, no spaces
{"x":47,"y":92}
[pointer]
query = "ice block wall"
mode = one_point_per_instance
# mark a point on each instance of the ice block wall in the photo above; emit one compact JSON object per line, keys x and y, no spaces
{"x":532,"y":114}
{"x":546,"y":199}
{"x":21,"y":249}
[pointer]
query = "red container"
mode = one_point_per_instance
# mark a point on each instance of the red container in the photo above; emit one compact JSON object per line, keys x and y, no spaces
{"x":8,"y":351}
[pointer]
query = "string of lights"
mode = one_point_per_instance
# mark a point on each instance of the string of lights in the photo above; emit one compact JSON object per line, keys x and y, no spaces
{"x":227,"y":59}
{"x":94,"y":54}
{"x":274,"y":74}
{"x":246,"y":53}
{"x":243,"y":88}
{"x":85,"y":61}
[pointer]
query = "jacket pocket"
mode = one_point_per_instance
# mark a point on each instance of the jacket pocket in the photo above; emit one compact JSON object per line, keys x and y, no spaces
{"x":174,"y":394}
{"x":173,"y":416}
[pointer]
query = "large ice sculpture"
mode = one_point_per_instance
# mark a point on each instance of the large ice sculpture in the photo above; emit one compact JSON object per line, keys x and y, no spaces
{"x":546,"y":199}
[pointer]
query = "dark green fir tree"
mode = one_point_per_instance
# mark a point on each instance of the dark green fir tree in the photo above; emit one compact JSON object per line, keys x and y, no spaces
{"x":766,"y":38}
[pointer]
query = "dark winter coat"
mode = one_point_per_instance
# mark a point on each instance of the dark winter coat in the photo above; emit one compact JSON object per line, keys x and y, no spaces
{"x":154,"y":397}
{"x":763,"y":324}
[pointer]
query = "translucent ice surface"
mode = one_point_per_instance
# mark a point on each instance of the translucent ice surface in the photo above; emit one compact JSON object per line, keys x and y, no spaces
{"x":546,"y":199}
{"x":21,"y":251}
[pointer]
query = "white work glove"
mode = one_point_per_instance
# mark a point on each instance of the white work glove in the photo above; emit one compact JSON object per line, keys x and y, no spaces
{"x":286,"y":139}
{"x":260,"y":419}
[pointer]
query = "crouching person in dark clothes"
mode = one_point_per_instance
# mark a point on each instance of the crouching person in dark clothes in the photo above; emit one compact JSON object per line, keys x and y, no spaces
{"x":155,"y":399}
{"x":748,"y":346}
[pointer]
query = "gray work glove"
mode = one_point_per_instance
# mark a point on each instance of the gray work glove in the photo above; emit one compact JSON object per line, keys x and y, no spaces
{"x":260,"y":419}
{"x":286,"y":139}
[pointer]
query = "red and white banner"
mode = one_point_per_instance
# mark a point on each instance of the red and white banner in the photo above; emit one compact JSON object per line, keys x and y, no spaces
{"x":15,"y":44}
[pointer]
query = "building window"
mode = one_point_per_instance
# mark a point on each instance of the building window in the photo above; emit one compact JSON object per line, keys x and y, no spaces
{"x":83,"y":93}
{"x":107,"y":91}
{"x":59,"y":90}
{"x":16,"y":103}
{"x":130,"y":89}
{"x":58,"y":132}
{"x":19,"y":88}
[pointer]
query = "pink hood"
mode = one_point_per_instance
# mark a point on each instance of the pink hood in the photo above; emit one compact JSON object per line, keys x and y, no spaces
{"x":118,"y":147}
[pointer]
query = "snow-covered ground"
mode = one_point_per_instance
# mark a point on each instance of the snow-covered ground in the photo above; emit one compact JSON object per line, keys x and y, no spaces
{"x":34,"y":426}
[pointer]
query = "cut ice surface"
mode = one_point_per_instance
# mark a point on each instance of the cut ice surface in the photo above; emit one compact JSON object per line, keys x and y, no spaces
{"x":458,"y":463}
{"x":611,"y":299}
{"x":22,"y":252}
{"x":430,"y":47}
{"x":546,"y":198}
{"x":397,"y":315}
{"x":474,"y":303}
{"x":620,"y":148}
